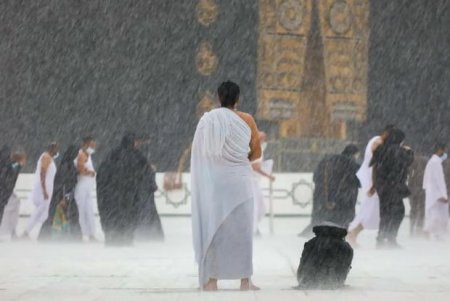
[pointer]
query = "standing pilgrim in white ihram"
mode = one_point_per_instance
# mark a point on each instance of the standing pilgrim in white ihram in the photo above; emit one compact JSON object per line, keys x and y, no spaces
{"x":225,"y":143}
{"x":436,"y":201}
{"x":85,"y":187}
{"x":368,"y":216}
{"x":42,"y":191}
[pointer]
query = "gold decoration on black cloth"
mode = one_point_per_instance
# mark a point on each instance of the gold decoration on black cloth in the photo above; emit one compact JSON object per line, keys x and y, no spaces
{"x":312,"y":65}
{"x":340,"y":17}
{"x":290,"y":14}
{"x":207,"y":12}
{"x":206,"y":60}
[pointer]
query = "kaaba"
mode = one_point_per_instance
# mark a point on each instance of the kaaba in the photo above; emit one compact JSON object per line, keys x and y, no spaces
{"x":317,"y":74}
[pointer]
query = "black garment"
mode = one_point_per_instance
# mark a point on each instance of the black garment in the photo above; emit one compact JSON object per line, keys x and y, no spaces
{"x":149,"y":224}
{"x":417,"y":197}
{"x":64,"y":187}
{"x":326,"y":259}
{"x":8,"y":178}
{"x":335,"y":193}
{"x":120,"y":180}
{"x":446,"y":165}
{"x":390,"y":164}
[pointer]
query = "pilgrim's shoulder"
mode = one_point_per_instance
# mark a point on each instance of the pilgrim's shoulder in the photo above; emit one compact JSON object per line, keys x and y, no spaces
{"x":246,"y":116}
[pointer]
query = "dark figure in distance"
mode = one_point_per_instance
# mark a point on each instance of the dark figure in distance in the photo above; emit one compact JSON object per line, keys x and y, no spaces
{"x":149,"y":223}
{"x":65,"y":181}
{"x":326,"y":259}
{"x":417,"y":197}
{"x":336,"y":190}
{"x":390,"y":167}
{"x":120,"y":180}
{"x":10,"y":167}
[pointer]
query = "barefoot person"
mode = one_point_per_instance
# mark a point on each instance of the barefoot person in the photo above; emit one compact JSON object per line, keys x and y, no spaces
{"x":225,"y":143}
{"x":368,"y":216}
{"x":43,"y":187}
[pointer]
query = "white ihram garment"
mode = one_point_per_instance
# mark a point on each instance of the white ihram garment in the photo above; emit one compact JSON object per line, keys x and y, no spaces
{"x":222,"y":197}
{"x":85,"y":200}
{"x":40,"y":213}
{"x":259,"y":204}
{"x":436,"y":213}
{"x":10,"y":217}
{"x":369,"y":213}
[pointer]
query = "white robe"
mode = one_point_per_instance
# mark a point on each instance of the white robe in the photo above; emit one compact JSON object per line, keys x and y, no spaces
{"x":10,"y":217}
{"x":85,"y":200}
{"x":369,"y":213}
{"x":259,"y":204}
{"x":436,"y":213}
{"x":40,"y":212}
{"x":222,"y":196}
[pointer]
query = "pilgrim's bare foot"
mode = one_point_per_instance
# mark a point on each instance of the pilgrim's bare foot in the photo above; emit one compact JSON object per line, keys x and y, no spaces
{"x":247,"y":285}
{"x":211,"y":286}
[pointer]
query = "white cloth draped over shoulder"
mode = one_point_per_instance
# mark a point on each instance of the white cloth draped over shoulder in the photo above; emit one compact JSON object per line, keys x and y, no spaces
{"x":221,"y":181}
{"x":368,"y":215}
{"x":436,"y":213}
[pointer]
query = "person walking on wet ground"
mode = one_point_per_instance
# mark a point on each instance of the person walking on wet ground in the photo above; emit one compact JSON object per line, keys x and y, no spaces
{"x":437,"y":208}
{"x":42,"y":190}
{"x":65,"y":181}
{"x":390,"y":163}
{"x":336,"y":190}
{"x":368,"y":216}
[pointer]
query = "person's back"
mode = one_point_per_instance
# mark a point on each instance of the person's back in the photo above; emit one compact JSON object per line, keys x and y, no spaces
{"x":225,"y":142}
{"x":392,"y":169}
{"x":390,"y":163}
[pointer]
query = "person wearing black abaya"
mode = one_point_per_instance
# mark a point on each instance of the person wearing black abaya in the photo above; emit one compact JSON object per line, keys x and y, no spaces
{"x":64,"y":186}
{"x":149,"y":224}
{"x":10,"y":168}
{"x":119,"y":182}
{"x":336,"y":190}
{"x":5,"y":193}
{"x":326,"y":259}
{"x":391,"y":162}
{"x":417,"y":197}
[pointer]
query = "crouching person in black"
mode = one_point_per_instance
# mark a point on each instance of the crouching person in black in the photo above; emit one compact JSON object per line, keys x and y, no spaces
{"x":326,"y":259}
